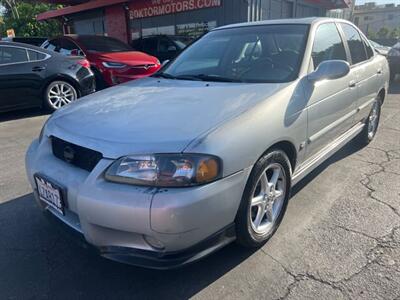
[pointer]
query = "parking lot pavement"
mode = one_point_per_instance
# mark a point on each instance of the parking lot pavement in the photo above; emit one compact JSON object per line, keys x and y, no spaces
{"x":340,"y":237}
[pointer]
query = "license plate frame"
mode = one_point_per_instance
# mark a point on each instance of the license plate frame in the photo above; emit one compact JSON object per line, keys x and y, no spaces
{"x":51,"y":193}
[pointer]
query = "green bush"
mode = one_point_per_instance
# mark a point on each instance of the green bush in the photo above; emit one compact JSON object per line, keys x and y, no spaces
{"x":25,"y":24}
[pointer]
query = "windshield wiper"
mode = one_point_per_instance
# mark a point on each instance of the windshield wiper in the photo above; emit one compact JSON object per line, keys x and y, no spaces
{"x":204,"y":77}
{"x":164,"y":75}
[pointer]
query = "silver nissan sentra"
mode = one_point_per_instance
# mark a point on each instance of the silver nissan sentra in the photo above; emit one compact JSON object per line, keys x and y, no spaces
{"x":165,"y":170}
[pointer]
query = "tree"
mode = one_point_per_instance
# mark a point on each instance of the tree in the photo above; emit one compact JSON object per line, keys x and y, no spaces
{"x":21,"y":16}
{"x":383,"y":33}
{"x":395,"y":33}
{"x":371,"y":35}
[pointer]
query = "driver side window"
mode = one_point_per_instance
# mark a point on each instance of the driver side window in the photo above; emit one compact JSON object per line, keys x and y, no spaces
{"x":328,"y":45}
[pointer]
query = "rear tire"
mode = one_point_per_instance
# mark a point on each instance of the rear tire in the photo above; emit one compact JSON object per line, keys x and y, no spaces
{"x":264,"y":200}
{"x":100,"y":82}
{"x":371,"y":124}
{"x":59,"y":93}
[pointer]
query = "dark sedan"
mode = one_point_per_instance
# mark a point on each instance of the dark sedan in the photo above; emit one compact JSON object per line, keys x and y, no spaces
{"x":394,"y":61}
{"x":31,"y":76}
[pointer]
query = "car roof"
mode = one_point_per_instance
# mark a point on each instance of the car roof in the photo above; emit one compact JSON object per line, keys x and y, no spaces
{"x":301,"y":21}
{"x":28,"y":46}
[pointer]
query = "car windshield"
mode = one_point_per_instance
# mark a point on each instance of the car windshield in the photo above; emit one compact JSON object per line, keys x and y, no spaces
{"x":103,"y":44}
{"x":262,"y":53}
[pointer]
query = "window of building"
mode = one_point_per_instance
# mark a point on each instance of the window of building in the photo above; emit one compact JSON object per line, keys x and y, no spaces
{"x":10,"y":55}
{"x":356,"y":45}
{"x":328,"y":45}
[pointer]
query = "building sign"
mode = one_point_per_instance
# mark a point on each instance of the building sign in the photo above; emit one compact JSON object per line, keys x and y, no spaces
{"x":195,"y":29}
{"x":10,"y":33}
{"x":153,"y":8}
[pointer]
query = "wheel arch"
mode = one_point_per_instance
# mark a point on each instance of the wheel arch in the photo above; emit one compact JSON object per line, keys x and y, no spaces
{"x":382,"y":94}
{"x":63,"y":78}
{"x":288,"y":148}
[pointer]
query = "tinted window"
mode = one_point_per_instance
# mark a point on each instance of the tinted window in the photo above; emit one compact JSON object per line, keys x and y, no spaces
{"x":368,"y":47}
{"x":52,"y":45}
{"x":166,"y":44}
{"x":9,"y":55}
{"x":244,"y":54}
{"x":67,"y":46}
{"x":34,"y":55}
{"x":355,"y":42}
{"x":150,"y":45}
{"x":328,"y":44}
{"x":103,"y":44}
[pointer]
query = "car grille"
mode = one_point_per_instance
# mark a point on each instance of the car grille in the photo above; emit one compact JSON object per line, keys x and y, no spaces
{"x":78,"y":156}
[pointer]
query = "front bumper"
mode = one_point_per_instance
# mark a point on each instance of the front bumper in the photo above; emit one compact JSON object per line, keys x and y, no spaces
{"x":120,"y":219}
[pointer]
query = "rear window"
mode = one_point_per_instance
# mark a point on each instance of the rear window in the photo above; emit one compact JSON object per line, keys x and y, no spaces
{"x":103,"y":44}
{"x":34,"y":55}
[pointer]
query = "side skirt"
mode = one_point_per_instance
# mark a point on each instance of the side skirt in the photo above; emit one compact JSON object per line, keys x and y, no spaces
{"x":314,"y":161}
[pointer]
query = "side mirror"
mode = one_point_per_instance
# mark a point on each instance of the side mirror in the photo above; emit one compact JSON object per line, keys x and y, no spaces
{"x":172,"y":49}
{"x":330,"y":69}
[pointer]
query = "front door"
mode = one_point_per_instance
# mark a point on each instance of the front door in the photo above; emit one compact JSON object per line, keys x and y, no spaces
{"x":20,"y":79}
{"x":332,"y":103}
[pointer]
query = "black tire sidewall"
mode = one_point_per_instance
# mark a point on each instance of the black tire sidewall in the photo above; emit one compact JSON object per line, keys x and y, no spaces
{"x":245,"y":234}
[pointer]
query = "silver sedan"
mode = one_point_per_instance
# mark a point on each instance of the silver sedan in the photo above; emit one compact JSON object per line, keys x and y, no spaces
{"x":165,"y":170}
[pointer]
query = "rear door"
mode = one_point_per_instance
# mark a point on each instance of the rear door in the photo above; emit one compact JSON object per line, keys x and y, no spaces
{"x":21,"y":75}
{"x":332,"y":103}
{"x":366,"y":69}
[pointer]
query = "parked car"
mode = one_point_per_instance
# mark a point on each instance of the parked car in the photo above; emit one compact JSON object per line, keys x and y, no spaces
{"x":164,"y":47}
{"x":112,"y":61}
{"x":35,"y":41}
{"x":383,"y":50}
{"x":31,"y":76}
{"x":165,"y":170}
{"x":394,"y":61}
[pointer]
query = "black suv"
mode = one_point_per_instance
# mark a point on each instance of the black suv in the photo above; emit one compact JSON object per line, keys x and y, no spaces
{"x":164,"y":47}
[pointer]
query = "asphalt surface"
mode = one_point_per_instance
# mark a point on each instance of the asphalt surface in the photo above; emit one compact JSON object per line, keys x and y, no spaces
{"x":340,"y":237}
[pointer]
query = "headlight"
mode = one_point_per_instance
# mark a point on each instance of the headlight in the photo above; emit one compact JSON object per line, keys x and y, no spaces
{"x":394,"y":52}
{"x":113,"y":65}
{"x":165,"y":170}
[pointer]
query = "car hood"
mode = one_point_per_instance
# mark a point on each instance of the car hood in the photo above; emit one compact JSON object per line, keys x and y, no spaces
{"x":153,"y":115}
{"x":129,"y":58}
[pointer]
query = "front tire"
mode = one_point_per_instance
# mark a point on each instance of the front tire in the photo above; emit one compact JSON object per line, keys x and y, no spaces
{"x":264,"y":200}
{"x":371,"y":123}
{"x":59,"y":93}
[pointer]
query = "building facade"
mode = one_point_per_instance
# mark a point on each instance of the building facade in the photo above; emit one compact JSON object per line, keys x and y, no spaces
{"x":371,"y":17}
{"x":131,"y":19}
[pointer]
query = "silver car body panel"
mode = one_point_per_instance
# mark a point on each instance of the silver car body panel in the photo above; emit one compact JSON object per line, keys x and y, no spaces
{"x":237,"y":122}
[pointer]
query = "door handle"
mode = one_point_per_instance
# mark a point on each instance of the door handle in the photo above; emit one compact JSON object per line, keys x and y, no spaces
{"x":352,"y":84}
{"x":38,"y":69}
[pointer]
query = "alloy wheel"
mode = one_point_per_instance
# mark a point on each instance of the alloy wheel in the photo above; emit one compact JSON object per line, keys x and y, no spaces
{"x":268,"y":199}
{"x":373,"y":120}
{"x":60,"y":93}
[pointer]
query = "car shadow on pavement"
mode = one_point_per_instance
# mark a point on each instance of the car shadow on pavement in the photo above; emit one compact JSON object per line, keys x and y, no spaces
{"x":22,"y":114}
{"x":39,"y":260}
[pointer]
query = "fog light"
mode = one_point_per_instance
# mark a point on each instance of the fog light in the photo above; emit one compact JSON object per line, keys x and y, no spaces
{"x":153,"y":242}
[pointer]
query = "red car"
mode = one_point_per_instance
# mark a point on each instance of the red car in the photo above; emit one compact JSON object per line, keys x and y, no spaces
{"x":111,"y":60}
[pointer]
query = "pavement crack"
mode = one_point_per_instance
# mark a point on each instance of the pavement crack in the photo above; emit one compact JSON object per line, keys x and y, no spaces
{"x":302,"y":277}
